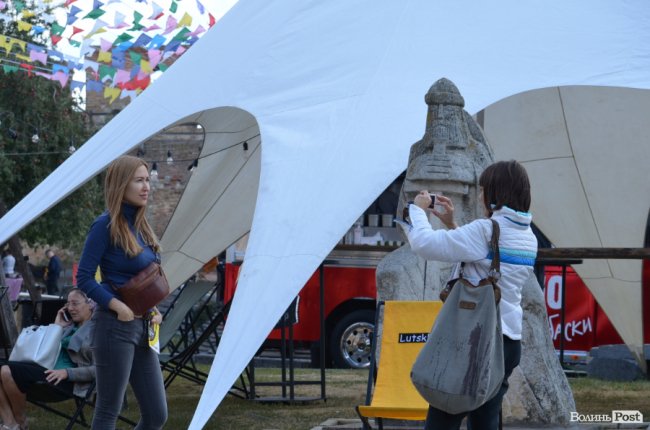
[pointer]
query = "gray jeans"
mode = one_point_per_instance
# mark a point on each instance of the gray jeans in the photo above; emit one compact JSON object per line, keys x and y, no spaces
{"x":122,"y":354}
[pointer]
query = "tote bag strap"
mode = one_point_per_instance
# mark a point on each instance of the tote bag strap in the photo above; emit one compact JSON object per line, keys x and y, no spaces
{"x":495,"y":267}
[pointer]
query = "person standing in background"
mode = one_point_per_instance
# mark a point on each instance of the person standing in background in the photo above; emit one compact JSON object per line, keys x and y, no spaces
{"x":8,"y":263}
{"x":53,"y":273}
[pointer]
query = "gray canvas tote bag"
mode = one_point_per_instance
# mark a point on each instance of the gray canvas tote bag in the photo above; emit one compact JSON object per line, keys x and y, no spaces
{"x":461,"y":365}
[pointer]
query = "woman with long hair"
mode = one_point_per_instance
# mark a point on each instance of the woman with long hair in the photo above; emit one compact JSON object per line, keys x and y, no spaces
{"x":505,"y":195}
{"x":73,"y":371}
{"x":122,"y":243}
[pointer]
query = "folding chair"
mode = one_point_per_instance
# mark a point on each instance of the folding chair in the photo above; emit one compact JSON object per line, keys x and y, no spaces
{"x":192,"y":319}
{"x":42,"y":394}
{"x":405,"y":329}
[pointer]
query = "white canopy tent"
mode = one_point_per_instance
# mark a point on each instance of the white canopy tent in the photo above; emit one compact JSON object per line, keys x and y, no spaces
{"x":335,"y":89}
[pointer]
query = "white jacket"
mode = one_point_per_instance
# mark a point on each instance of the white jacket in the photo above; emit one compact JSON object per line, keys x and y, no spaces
{"x":470,"y":244}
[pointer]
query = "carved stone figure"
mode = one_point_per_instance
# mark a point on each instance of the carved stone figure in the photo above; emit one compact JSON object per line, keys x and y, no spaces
{"x":449,"y":160}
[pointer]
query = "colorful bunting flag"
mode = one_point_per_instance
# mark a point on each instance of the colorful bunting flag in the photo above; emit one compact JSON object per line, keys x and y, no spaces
{"x":137,"y":17}
{"x":120,"y":20}
{"x":142,"y":40}
{"x":157,"y":41}
{"x":96,"y":86}
{"x":173,"y":7}
{"x":35,"y":55}
{"x":118,"y":60}
{"x":122,"y":38}
{"x":154,"y":57}
{"x":212,"y":20}
{"x":106,"y":72}
{"x":95,"y":13}
{"x":9,"y":68}
{"x":61,"y":77}
{"x":24,"y":26}
{"x":171,"y":24}
{"x":3,"y":5}
{"x":56,"y":29}
{"x":38,"y":29}
{"x":19,"y":5}
{"x":112,"y":94}
{"x":157,"y":11}
{"x":185,"y":21}
{"x":105,"y":57}
{"x":145,"y":66}
{"x":135,"y":57}
{"x":200,"y":7}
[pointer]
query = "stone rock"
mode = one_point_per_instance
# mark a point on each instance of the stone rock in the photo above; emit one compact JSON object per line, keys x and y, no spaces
{"x":613,"y":363}
{"x":539,"y":391}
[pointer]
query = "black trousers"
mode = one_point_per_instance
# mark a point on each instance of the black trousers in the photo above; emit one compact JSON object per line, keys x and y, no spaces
{"x":485,"y":417}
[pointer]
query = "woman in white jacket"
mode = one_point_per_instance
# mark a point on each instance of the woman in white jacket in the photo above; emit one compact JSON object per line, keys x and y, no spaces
{"x":505,"y":193}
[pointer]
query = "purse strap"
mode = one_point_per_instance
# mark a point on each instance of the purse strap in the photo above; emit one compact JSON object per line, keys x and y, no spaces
{"x":494,"y":273}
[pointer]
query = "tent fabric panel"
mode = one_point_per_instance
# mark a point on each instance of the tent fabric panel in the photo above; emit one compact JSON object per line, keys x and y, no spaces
{"x":606,"y":127}
{"x":510,"y":135}
{"x":207,"y":183}
{"x":228,"y":217}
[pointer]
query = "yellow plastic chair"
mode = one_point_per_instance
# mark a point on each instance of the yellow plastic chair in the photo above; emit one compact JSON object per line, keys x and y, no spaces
{"x":406,"y":327}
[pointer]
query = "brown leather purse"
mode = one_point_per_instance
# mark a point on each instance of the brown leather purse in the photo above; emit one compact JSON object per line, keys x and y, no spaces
{"x":145,"y":290}
{"x":493,"y":275}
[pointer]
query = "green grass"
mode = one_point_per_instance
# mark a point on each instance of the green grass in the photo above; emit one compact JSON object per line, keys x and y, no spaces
{"x":345,"y":390}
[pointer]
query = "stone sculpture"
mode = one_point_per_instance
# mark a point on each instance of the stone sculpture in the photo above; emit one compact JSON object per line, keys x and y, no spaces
{"x":449,"y":160}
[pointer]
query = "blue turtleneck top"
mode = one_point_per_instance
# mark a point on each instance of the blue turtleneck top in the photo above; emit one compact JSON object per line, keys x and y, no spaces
{"x":116,"y":267}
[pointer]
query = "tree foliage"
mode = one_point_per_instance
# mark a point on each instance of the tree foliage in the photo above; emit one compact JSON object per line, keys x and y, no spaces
{"x":32,"y":105}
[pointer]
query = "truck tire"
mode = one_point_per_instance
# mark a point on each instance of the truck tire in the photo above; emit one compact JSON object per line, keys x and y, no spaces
{"x":351,"y":340}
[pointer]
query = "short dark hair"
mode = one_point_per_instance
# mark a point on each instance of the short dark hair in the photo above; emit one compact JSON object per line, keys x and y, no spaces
{"x":505,"y":183}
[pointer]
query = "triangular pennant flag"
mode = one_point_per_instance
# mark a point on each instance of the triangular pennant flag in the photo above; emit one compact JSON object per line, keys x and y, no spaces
{"x":28,"y":67}
{"x":9,"y":69}
{"x":157,"y":41}
{"x":137,"y":17}
{"x":19,"y":5}
{"x":76,"y":30}
{"x":3,"y":5}
{"x":198,"y":31}
{"x":181,"y":49}
{"x":21,"y":57}
{"x":69,"y":2}
{"x":173,"y":45}
{"x":95,"y":13}
{"x":185,"y":21}
{"x":105,"y":45}
{"x":38,"y":56}
{"x":61,"y":77}
{"x":162,"y":67}
{"x":122,"y":76}
{"x":60,"y":68}
{"x":112,"y":94}
{"x":24,"y":26}
{"x":104,"y":57}
{"x":38,"y":29}
{"x":171,"y":24}
{"x":157,"y":11}
{"x":154,"y":57}
{"x":57,"y":29}
{"x":151,"y":28}
{"x":212,"y":20}
{"x":55,"y":39}
{"x":200,"y":6}
{"x":28,"y":13}
{"x":21,"y":44}
{"x":118,"y":61}
{"x":135,"y":57}
{"x":183,"y":34}
{"x":43,"y":75}
{"x":95,"y":86}
{"x":120,"y":20}
{"x":97,"y":4}
{"x":124,"y":46}
{"x":173,"y":7}
{"x":106,"y":72}
{"x":145,"y":66}
{"x":142,"y":40}
{"x":122,"y":38}
{"x":75,"y":43}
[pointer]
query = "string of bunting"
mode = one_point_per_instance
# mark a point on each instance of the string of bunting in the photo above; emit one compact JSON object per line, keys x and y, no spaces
{"x":119,"y":66}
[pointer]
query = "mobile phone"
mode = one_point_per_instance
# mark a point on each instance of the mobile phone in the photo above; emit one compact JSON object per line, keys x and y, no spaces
{"x":433,"y":200}
{"x":66,"y":316}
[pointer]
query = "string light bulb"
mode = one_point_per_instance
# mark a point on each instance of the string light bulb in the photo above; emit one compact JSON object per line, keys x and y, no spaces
{"x":35,"y":138}
{"x":170,"y":159}
{"x":154,"y":171}
{"x":71,"y":149}
{"x":192,"y":167}
{"x":13,"y":134}
{"x":245,"y":145}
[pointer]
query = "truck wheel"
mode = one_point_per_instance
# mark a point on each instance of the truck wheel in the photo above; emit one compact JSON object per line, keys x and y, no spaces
{"x":351,"y":340}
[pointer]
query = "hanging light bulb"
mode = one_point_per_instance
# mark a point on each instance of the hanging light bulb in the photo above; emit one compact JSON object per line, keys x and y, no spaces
{"x":154,"y":172}
{"x":71,"y":149}
{"x":170,"y":159}
{"x":35,"y":138}
{"x":245,"y":145}
{"x":13,"y":134}
{"x":194,"y":165}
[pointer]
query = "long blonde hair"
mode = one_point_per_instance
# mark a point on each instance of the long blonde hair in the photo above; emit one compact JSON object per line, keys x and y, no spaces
{"x":119,"y":174}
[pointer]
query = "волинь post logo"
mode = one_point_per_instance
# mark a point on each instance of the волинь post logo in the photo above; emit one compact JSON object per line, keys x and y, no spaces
{"x":616,"y":417}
